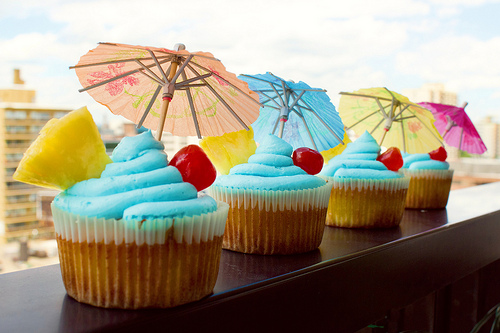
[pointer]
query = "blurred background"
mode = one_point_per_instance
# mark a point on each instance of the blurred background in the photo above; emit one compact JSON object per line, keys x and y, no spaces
{"x":439,"y":51}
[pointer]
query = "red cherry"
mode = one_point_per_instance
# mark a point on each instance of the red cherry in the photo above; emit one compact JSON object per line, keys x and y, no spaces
{"x":308,"y":160}
{"x":392,"y":159}
{"x":439,"y":154}
{"x":194,"y":166}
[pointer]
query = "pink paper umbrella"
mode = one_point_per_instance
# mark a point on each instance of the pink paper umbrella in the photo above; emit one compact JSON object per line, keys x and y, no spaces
{"x":455,"y":127}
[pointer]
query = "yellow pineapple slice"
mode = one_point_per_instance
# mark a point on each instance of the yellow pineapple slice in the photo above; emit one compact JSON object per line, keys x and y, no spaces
{"x":67,"y":150}
{"x":337,"y":150}
{"x":229,"y":149}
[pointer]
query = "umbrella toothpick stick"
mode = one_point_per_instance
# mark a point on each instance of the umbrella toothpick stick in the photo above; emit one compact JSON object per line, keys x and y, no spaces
{"x":168,"y":92}
{"x":283,"y":118}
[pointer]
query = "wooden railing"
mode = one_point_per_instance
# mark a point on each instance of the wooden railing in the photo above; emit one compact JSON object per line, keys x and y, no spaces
{"x":355,"y":278}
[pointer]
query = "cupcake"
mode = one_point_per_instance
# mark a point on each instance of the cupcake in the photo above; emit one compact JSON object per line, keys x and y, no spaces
{"x":431,"y":179}
{"x":275,"y":207}
{"x":365,"y":193}
{"x":138,"y":236}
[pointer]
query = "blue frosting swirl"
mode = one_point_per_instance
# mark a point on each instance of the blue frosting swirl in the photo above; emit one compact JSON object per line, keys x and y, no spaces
{"x":270,"y":168}
{"x":423,"y":162}
{"x":139,"y":184}
{"x":359,"y":160}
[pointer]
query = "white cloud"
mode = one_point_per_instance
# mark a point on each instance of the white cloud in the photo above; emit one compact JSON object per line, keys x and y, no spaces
{"x":461,"y":61}
{"x":336,"y":45}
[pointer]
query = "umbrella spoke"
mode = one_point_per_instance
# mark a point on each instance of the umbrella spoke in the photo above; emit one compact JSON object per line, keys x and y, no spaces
{"x":259,"y":79}
{"x":151,"y":75}
{"x":328,"y":127}
{"x":234,"y":114}
{"x":276,"y":77}
{"x":163,"y":51}
{"x":367,"y":96}
{"x":298,"y":110}
{"x":309,"y":132}
{"x":193,"y":85}
{"x":181,"y":69}
{"x":401,"y":118}
{"x":305,"y":106}
{"x":116,"y":78}
{"x":222,"y":79}
{"x":362,"y":119}
{"x":162,"y":58}
{"x":403,"y":130}
{"x":269,"y":99}
{"x":191,"y":107}
{"x":278,"y":95}
{"x":375,"y":128}
{"x":296,"y":99}
{"x":461,"y":138}
{"x":430,"y":130}
{"x":150,"y":104}
{"x":271,"y":90}
{"x":401,"y":110}
{"x":382,"y":108}
{"x":159,"y":66}
{"x":193,"y":79}
{"x":286,"y":93}
{"x":275,"y":125}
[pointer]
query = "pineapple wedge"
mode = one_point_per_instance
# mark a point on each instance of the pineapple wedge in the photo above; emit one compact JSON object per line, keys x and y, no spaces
{"x":67,"y":151}
{"x":229,"y":149}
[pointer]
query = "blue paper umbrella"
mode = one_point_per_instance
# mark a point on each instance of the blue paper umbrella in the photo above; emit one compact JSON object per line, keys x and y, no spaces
{"x":301,"y":115}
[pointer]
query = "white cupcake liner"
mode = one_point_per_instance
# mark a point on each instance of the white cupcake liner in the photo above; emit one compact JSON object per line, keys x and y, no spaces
{"x":274,"y":222}
{"x":274,"y":201}
{"x":187,"y":229}
{"x":366,"y":203}
{"x":390,"y":184}
{"x":430,"y":174}
{"x":429,"y":189}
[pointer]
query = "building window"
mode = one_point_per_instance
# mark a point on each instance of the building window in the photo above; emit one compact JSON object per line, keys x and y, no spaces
{"x":40,"y":115}
{"x":18,"y":114}
{"x":16,"y":143}
{"x":15,"y":129}
{"x":36,"y":129}
{"x":9,"y":171}
{"x":19,"y":212}
{"x":60,"y":114}
{"x":16,"y":185}
{"x":14,"y":157}
{"x":21,"y":198}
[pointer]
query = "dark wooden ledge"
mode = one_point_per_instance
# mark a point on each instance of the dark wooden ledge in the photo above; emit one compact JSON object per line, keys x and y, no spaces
{"x":352,"y":280}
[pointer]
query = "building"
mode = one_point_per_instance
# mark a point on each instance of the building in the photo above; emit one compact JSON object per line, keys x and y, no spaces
{"x":432,"y":93}
{"x":490,"y":134}
{"x":20,"y":122}
{"x":174,"y":143}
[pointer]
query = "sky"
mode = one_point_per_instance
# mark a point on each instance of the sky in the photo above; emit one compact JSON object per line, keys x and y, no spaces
{"x":334,"y":45}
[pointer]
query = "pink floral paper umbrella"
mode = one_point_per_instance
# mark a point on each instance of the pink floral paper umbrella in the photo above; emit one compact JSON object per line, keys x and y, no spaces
{"x":455,"y":127}
{"x":180,"y":92}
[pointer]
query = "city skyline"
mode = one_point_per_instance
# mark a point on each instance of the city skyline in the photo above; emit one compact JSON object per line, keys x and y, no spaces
{"x":338,"y":46}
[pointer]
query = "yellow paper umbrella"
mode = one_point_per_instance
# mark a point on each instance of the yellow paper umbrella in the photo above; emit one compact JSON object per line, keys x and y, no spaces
{"x":391,"y":118}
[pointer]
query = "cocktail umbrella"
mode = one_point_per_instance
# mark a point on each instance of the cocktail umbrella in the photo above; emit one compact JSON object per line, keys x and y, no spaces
{"x":391,"y":118}
{"x":301,"y":115}
{"x":455,"y":127}
{"x":198,"y":96}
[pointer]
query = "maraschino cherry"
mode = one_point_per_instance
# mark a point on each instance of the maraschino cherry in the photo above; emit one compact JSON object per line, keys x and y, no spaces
{"x":439,"y":154}
{"x":194,"y":166}
{"x":392,"y":159}
{"x":308,"y":160}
